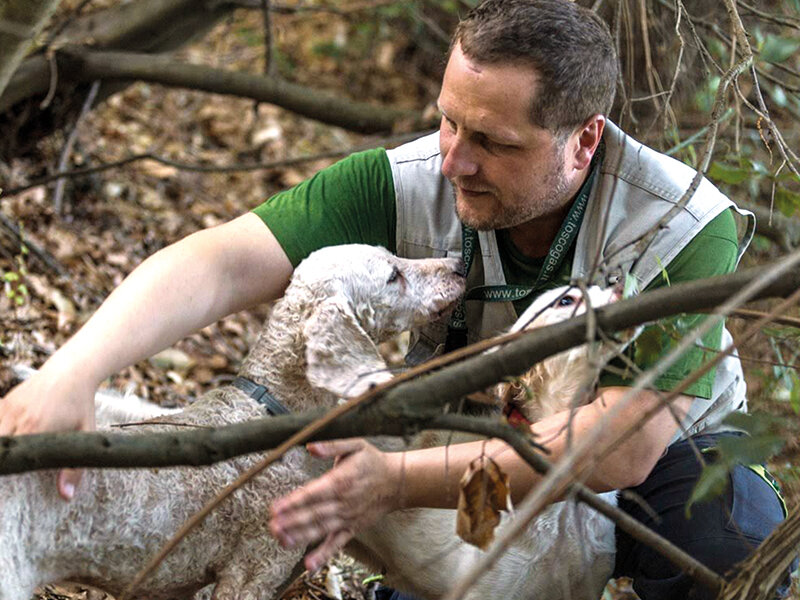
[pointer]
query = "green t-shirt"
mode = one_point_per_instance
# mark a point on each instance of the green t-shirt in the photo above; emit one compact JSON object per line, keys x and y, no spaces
{"x":353,"y":201}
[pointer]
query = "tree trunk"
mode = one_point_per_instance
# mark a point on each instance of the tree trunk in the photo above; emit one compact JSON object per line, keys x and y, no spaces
{"x":21,"y":21}
{"x":148,"y":26}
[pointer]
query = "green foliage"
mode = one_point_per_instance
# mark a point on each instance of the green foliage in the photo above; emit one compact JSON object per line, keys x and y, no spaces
{"x":778,"y":49}
{"x":649,"y":346}
{"x":284,"y":62}
{"x":760,"y":244}
{"x":664,"y":274}
{"x":329,"y":48}
{"x":251,"y":36}
{"x":764,"y":440}
{"x":732,"y":174}
{"x":712,"y":483}
{"x":631,"y":287}
{"x":787,"y":201}
{"x":704,"y":96}
{"x":783,"y":381}
{"x":760,"y":179}
{"x":14,"y":285}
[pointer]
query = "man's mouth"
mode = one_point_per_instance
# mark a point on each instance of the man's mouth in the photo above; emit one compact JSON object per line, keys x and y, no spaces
{"x":472,"y":188}
{"x":471,"y":192}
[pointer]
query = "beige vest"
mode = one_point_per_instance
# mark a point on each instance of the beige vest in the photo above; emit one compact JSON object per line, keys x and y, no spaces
{"x":636,"y":187}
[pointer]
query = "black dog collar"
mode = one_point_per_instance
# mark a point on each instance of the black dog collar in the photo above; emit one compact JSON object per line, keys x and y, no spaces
{"x":262,"y":395}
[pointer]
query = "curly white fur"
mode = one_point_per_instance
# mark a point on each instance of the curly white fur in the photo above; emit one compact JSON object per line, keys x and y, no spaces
{"x":568,"y":551}
{"x":318,"y":345}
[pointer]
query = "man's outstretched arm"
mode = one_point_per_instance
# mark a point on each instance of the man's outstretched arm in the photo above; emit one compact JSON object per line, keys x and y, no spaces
{"x":366,"y":484}
{"x":178,"y":290}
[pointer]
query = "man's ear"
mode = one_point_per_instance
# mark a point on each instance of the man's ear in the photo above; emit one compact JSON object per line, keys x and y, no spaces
{"x":341,"y":357}
{"x":585,"y":141}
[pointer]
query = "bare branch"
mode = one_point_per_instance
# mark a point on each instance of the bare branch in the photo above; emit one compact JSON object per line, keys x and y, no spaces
{"x":413,"y":402}
{"x":20,"y":24}
{"x":84,"y":66}
{"x":58,"y":194}
{"x":562,"y":474}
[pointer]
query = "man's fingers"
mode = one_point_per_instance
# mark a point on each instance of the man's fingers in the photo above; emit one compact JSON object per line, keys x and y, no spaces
{"x":68,"y":480}
{"x":302,"y":527}
{"x":327,"y":549}
{"x":313,"y":493}
{"x":336,"y":447}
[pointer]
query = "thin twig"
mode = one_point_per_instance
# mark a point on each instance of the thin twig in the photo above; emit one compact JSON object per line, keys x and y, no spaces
{"x":43,"y":255}
{"x":51,"y":90}
{"x":58,"y":193}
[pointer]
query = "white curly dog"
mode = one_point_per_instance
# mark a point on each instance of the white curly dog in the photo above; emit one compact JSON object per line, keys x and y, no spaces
{"x":318,"y":345}
{"x":568,"y":550}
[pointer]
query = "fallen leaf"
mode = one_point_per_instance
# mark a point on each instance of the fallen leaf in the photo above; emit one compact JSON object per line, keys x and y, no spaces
{"x":157,"y":169}
{"x":484,"y":493}
{"x":65,"y":307}
{"x":333,"y":582}
{"x":172,"y":359}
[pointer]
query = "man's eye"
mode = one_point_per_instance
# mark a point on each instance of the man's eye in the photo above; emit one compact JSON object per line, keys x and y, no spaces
{"x":396,"y":274}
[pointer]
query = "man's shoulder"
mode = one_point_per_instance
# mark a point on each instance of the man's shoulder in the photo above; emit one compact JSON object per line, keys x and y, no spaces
{"x":652,"y":171}
{"x":425,"y":148}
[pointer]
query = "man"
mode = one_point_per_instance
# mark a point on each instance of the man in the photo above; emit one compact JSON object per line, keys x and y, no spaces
{"x":547,"y":190}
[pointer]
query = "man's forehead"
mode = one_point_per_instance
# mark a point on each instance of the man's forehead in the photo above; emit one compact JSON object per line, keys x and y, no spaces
{"x":491,"y":98}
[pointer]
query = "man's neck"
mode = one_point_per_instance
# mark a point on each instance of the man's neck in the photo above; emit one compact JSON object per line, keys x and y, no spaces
{"x":533,"y":238}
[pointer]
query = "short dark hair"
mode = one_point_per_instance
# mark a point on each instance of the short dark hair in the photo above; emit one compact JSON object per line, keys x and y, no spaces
{"x":569,"y":46}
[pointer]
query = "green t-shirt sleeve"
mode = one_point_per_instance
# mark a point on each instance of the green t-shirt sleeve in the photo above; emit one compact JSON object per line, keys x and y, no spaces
{"x":712,"y":252}
{"x":350,"y":202}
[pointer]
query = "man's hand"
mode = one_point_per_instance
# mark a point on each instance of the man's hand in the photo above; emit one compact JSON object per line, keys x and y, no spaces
{"x":361,"y":488}
{"x":44,"y":403}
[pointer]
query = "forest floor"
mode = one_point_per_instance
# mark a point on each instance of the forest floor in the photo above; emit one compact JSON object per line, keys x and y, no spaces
{"x":67,"y":263}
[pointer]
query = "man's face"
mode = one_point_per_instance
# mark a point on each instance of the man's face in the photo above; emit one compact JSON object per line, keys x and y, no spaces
{"x":504,"y":169}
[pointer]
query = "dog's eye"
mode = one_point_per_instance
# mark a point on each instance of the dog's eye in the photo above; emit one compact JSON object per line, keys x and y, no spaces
{"x":396,"y":274}
{"x":566,"y":301}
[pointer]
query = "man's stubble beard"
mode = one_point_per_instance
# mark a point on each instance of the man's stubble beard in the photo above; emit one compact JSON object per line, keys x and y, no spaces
{"x":551,"y":201}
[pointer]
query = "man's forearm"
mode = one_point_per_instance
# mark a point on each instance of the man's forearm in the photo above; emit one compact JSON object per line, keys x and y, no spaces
{"x":430,"y":477}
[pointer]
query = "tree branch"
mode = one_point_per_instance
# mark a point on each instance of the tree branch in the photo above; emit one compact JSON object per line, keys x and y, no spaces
{"x":82,"y":66}
{"x":20,"y":24}
{"x":403,"y":408}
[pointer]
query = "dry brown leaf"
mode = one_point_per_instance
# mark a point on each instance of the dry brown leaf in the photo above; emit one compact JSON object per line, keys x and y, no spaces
{"x":484,"y":493}
{"x":65,"y":307}
{"x":172,"y":359}
{"x":157,"y":169}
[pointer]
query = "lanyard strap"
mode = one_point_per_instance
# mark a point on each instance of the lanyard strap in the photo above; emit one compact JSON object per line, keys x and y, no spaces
{"x":552,"y":262}
{"x":457,"y":328}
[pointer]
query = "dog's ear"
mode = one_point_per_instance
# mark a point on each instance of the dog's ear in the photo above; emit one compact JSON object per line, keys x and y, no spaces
{"x":341,"y":356}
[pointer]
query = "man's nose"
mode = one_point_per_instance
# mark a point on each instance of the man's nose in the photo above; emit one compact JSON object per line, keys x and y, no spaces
{"x":459,"y":159}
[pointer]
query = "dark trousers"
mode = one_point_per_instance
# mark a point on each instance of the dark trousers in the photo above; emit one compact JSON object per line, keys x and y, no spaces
{"x":719,"y":533}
